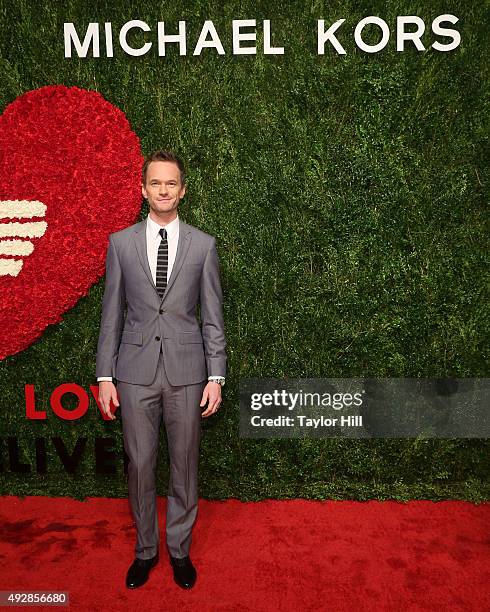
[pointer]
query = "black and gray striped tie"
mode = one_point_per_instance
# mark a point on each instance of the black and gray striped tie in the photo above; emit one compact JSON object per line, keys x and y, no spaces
{"x":162,"y":263}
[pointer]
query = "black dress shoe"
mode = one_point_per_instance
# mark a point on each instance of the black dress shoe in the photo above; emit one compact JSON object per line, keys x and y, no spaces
{"x":139,"y":571}
{"x":184,"y":572}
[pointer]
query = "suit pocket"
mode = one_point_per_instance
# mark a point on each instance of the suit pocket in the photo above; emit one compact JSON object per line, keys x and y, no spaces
{"x":192,"y":261}
{"x":192,"y":268}
{"x":190,"y":338}
{"x":132,"y":337}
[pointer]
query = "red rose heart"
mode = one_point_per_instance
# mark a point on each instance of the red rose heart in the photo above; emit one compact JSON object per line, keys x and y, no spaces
{"x":70,"y":173}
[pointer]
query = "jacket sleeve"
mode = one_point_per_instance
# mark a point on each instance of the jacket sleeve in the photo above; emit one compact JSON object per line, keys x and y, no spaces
{"x":211,"y":299}
{"x":112,"y":320}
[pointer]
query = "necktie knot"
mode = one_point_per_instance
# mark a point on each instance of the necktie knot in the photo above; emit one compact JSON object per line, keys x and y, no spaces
{"x":163,"y":233}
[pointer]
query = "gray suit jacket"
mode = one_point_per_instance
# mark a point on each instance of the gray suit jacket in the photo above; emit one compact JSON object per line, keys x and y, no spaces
{"x":135,"y":321}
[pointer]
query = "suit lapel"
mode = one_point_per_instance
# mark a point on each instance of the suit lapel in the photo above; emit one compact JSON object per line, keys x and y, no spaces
{"x":140,"y":243}
{"x":182,"y":249}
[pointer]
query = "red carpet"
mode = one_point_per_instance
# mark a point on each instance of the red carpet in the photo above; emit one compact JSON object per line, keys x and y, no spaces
{"x":271,"y":555}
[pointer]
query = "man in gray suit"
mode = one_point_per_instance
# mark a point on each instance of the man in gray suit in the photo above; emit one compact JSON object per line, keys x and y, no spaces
{"x":151,"y":343}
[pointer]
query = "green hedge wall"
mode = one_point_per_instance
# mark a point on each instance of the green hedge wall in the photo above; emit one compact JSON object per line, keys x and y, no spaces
{"x":348,"y":198}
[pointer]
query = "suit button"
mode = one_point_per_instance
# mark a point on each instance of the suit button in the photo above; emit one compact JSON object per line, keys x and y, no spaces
{"x":162,"y":310}
{"x":157,"y":338}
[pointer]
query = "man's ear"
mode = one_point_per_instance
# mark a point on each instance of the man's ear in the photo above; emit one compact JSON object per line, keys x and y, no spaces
{"x":143,"y":190}
{"x":184,"y":188}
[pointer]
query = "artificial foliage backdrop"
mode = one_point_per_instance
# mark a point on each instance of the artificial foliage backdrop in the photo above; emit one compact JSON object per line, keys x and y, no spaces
{"x":348,"y":196}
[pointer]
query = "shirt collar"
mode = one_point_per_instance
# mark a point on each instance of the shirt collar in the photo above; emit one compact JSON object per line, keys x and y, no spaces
{"x":171,"y":228}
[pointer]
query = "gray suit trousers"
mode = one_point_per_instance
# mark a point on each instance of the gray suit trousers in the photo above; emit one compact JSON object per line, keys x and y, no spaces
{"x":142,"y":409}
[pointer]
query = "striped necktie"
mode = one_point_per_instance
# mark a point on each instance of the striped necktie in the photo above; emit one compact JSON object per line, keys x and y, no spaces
{"x":162,"y":263}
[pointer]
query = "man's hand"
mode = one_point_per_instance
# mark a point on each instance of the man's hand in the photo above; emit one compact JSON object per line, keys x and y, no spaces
{"x":107,"y":392}
{"x":212,"y":395}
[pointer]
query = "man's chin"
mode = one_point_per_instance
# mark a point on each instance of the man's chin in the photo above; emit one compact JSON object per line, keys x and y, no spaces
{"x":163,"y":211}
{"x":164,"y":207}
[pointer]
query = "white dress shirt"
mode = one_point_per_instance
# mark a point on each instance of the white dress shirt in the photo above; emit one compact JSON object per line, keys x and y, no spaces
{"x":153,"y":239}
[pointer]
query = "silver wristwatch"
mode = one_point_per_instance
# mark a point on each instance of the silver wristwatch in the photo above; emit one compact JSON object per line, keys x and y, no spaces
{"x":220,"y":381}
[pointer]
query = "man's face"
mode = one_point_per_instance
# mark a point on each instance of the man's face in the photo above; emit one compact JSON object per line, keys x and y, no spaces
{"x":163,"y":188}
